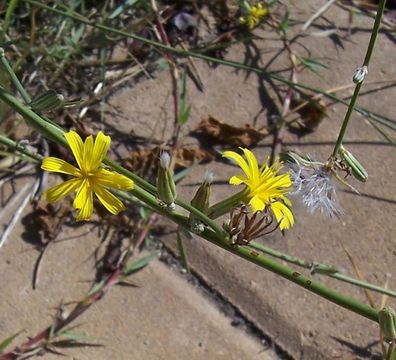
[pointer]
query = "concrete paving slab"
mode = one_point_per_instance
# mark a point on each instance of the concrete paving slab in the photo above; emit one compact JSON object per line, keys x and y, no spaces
{"x":164,"y":317}
{"x":303,"y":324}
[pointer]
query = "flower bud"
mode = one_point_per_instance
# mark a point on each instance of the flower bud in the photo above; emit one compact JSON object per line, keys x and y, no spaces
{"x":49,"y":100}
{"x":357,"y":170}
{"x":386,"y":319}
{"x":201,"y":201}
{"x":360,"y":74}
{"x":165,"y":183}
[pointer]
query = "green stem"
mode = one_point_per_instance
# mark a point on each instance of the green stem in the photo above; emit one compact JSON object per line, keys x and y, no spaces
{"x":319,"y":268}
{"x":290,"y":274}
{"x":370,"y":48}
{"x":183,"y":255}
{"x":224,"y":206}
{"x":14,"y":78}
{"x":18,"y":148}
{"x":48,"y":129}
{"x":7,"y":19}
{"x":264,"y":262}
{"x":201,"y":216}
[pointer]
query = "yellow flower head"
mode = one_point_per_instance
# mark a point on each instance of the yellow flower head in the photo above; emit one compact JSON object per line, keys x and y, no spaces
{"x":264,"y":186}
{"x":89,"y":177}
{"x":254,"y":14}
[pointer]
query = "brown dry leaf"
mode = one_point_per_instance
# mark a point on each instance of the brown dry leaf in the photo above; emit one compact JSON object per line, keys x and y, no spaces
{"x":49,"y":219}
{"x":185,"y":157}
{"x":225,"y":134}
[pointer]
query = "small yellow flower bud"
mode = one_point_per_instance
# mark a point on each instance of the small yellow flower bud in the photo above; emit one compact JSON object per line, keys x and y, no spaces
{"x":165,"y":183}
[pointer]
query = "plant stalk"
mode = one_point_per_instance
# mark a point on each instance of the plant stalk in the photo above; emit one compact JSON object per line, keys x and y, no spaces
{"x":366,"y":62}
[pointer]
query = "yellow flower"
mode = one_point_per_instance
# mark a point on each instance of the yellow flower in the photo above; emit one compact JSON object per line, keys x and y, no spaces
{"x":254,"y":14}
{"x":89,"y":177}
{"x":264,"y":186}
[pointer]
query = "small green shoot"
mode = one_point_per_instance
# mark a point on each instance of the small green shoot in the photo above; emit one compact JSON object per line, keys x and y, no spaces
{"x":139,"y":264}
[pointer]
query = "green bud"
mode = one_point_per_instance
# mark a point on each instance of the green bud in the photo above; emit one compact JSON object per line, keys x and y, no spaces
{"x":50,"y":100}
{"x":386,"y":317}
{"x":165,"y":184}
{"x":360,"y":74}
{"x":201,"y":197}
{"x":358,"y":171}
{"x":201,"y":202}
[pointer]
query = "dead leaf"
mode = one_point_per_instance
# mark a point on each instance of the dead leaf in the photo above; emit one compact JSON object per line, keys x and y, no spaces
{"x":49,"y":219}
{"x":224,"y":134}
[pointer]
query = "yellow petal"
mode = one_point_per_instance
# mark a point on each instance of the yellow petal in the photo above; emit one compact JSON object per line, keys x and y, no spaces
{"x":239,"y":160}
{"x":54,"y":164}
{"x":84,"y":202}
{"x":252,"y":161}
{"x":88,"y":154}
{"x":256,"y":204}
{"x":237,"y":180}
{"x":59,"y":191}
{"x":286,"y":201}
{"x":86,"y":211}
{"x":76,"y":146}
{"x":102,"y":144}
{"x":82,"y":194}
{"x":113,"y":180}
{"x":283,"y":215}
{"x":279,"y":184}
{"x":109,"y":201}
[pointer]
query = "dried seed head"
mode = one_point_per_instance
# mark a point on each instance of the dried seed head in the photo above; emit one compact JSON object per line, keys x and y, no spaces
{"x":313,"y":181}
{"x":244,"y":226}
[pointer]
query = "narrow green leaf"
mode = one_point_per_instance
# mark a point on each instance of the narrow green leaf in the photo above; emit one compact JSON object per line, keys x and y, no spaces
{"x":184,"y":115}
{"x":138,"y":264}
{"x":122,"y":8}
{"x":97,"y":287}
{"x":78,"y":337}
{"x":6,"y":342}
{"x":184,"y":111}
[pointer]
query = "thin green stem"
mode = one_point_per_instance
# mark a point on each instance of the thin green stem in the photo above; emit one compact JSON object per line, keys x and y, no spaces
{"x":224,"y":206}
{"x":49,"y":130}
{"x":14,"y":78}
{"x":370,"y":48}
{"x":264,"y":262}
{"x":319,"y":268}
{"x":18,"y":148}
{"x":301,"y":280}
{"x":182,"y":251}
{"x":201,"y":216}
{"x":7,"y":19}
